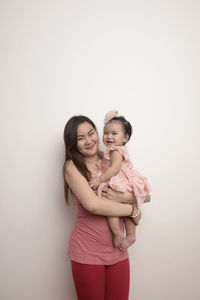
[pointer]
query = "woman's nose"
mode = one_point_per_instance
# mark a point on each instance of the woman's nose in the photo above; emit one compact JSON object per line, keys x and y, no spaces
{"x":88,"y":140}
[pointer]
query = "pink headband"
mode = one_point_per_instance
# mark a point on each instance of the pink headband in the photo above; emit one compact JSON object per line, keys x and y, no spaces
{"x":110,"y":115}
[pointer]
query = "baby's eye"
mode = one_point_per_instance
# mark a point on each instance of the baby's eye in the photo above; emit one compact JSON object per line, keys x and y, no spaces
{"x":114,"y":133}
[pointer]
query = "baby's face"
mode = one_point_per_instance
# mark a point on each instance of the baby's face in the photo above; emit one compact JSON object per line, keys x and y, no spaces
{"x":114,"y":135}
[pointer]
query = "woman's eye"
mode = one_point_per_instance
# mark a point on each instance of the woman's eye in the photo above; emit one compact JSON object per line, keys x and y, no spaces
{"x":91,"y":133}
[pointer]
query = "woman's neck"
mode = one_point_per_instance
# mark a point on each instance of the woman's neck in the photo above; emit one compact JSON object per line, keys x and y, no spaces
{"x":92,"y":159}
{"x":91,"y":163}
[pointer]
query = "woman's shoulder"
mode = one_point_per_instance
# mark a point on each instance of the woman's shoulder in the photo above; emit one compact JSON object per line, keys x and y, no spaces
{"x":69,"y":166}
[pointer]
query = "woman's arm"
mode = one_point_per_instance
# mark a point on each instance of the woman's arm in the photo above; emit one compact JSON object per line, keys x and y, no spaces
{"x":126,"y":197}
{"x":111,"y":194}
{"x":99,"y":206}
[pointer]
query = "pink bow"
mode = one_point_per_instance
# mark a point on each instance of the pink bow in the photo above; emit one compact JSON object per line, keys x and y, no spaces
{"x":110,"y":115}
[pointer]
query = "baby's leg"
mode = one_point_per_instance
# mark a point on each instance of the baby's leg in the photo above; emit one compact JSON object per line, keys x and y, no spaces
{"x":116,"y":230}
{"x":130,"y":234}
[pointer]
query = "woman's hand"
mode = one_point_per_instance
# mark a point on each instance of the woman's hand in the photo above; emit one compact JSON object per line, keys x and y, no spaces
{"x":147,"y":198}
{"x":137,"y":219}
{"x":111,"y":194}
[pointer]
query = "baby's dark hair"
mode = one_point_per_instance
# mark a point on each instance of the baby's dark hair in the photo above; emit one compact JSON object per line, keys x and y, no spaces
{"x":126,"y":125}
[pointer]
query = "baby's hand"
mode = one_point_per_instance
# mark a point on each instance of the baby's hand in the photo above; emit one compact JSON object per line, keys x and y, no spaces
{"x":95,"y":182}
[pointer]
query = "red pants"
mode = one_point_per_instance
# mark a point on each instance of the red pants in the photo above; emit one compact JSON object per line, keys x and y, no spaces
{"x":99,"y":282}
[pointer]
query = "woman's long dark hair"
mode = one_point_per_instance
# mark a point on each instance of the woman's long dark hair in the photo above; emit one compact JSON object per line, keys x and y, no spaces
{"x":72,"y":152}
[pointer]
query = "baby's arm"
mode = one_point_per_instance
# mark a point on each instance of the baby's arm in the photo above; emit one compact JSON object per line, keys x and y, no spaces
{"x":115,"y":164}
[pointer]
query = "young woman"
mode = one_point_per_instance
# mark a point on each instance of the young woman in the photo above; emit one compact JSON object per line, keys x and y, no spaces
{"x":100,"y":270}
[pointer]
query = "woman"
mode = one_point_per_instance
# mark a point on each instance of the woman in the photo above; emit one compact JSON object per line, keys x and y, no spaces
{"x":100,"y":271}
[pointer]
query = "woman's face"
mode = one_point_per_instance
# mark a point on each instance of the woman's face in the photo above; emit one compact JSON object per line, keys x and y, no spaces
{"x":87,"y":139}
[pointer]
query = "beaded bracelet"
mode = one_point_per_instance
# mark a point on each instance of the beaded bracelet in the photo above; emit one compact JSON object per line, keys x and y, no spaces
{"x":136,"y":214}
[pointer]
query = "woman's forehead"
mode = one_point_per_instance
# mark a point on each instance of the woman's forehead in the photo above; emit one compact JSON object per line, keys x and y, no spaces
{"x":84,"y":128}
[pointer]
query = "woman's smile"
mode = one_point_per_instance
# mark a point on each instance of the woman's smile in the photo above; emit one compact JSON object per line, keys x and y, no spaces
{"x":90,"y":147}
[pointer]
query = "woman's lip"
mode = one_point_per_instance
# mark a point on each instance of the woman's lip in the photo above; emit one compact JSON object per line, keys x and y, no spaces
{"x":91,"y":147}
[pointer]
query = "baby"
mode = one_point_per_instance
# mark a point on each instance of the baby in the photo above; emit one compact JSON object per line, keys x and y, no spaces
{"x":117,"y":172}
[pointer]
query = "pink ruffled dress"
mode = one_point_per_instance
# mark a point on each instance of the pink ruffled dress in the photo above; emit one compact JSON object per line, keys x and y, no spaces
{"x":127,"y":179}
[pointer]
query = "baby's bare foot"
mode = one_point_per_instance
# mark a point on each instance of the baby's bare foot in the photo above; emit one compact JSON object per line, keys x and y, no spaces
{"x":127,"y":241}
{"x":117,"y":238}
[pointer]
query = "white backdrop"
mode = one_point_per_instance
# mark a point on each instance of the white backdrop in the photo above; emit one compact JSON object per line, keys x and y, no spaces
{"x":64,"y":57}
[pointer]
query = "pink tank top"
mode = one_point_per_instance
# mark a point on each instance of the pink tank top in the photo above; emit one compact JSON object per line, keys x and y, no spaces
{"x":91,"y":240}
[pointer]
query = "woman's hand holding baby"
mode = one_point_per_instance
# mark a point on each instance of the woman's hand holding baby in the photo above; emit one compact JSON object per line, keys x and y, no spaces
{"x":111,"y":194}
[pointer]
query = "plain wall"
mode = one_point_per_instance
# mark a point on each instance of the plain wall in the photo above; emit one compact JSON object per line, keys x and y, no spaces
{"x":60,"y":58}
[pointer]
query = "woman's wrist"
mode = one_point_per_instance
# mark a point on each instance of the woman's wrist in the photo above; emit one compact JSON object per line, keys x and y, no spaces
{"x":135,"y":211}
{"x":135,"y":214}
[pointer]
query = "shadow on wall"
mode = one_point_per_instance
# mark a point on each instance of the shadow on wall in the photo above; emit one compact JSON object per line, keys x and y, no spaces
{"x":70,"y":215}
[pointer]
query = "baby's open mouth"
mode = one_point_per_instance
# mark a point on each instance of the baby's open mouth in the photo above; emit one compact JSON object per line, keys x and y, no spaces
{"x":109,"y":142}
